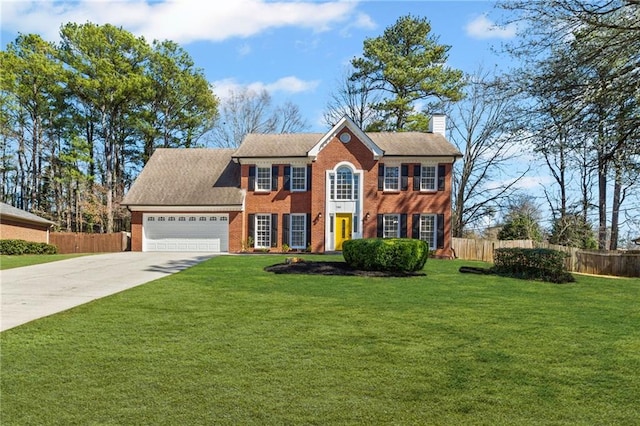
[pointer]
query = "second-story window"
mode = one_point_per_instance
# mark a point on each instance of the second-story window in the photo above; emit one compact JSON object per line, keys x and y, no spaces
{"x":391,"y":178}
{"x":344,"y":184}
{"x":428,"y":178}
{"x":298,"y":178}
{"x":263,"y":178}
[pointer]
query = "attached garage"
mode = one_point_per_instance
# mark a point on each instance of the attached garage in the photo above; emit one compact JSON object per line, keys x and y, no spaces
{"x":186,"y":232}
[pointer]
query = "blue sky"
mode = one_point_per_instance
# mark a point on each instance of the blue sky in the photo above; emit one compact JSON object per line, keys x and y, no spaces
{"x":295,"y":50}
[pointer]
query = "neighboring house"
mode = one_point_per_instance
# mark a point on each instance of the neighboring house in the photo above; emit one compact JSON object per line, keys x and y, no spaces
{"x":16,"y":224}
{"x":308,"y":191}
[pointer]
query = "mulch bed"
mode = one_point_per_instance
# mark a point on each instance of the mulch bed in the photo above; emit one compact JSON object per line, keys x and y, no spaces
{"x":333,"y":268}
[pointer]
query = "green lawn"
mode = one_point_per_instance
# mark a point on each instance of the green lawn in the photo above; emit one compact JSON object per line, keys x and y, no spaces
{"x":8,"y":262}
{"x":227,"y":343}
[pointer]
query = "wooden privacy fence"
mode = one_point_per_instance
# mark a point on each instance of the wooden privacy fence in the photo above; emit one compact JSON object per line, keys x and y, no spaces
{"x":69,"y":242}
{"x":622,"y":264}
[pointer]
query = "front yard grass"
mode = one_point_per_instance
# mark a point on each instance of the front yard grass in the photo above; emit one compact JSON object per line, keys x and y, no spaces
{"x":8,"y":262}
{"x":226,"y":343}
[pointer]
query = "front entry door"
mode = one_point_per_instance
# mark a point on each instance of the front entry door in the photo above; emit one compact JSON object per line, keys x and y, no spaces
{"x":343,"y":229}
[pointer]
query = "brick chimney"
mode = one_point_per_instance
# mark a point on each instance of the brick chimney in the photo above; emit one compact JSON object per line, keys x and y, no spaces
{"x":438,"y":124}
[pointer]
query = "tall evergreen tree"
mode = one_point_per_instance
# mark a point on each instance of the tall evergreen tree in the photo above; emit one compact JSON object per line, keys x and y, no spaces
{"x":406,"y":64}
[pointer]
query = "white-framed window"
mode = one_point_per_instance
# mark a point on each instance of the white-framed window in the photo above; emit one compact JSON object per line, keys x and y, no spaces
{"x":344,"y":184}
{"x":298,"y":178}
{"x":172,"y":218}
{"x":428,"y":178}
{"x":151,"y":219}
{"x":390,"y":226}
{"x":182,"y":219}
{"x":428,"y":229}
{"x":263,"y":178}
{"x":263,"y":231}
{"x":298,"y":231}
{"x":392,"y":178}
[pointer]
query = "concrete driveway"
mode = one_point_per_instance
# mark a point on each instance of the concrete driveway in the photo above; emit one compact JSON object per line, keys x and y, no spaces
{"x":37,"y":291}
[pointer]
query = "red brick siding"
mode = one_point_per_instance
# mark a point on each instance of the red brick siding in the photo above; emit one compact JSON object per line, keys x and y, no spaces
{"x":14,"y":230}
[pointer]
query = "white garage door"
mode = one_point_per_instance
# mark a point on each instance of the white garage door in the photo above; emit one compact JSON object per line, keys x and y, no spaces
{"x":186,"y":232}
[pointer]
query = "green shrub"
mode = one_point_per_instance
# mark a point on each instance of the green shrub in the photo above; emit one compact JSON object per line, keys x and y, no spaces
{"x":386,"y":254}
{"x":535,"y":264}
{"x":17,"y":247}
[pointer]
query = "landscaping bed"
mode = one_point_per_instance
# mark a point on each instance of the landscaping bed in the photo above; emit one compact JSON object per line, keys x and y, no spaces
{"x":332,"y":268}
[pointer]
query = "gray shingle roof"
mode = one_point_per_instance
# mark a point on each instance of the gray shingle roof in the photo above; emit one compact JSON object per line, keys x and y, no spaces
{"x":187,"y":177}
{"x":413,"y":144}
{"x":15,"y":213}
{"x":277,"y":145}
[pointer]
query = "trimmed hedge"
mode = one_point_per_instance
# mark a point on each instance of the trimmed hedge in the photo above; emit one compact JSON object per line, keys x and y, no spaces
{"x":14,"y":247}
{"x":386,"y":254}
{"x":533,"y":264}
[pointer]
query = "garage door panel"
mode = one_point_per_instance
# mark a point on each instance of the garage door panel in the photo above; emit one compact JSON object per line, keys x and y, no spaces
{"x":196,"y":233}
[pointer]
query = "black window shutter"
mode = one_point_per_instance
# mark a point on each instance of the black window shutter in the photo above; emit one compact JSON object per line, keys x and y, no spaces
{"x":403,"y":225}
{"x":415,"y":226}
{"x":417,"y":172}
{"x":252,"y":222}
{"x":380,"y":177}
{"x":404,"y":185}
{"x":287,"y":178}
{"x":308,"y":242}
{"x":285,"y":229}
{"x":274,"y":178}
{"x":440,"y":177}
{"x":309,"y":182}
{"x":252,"y":178}
{"x":440,"y":225}
{"x":274,"y":230}
{"x":379,"y":230}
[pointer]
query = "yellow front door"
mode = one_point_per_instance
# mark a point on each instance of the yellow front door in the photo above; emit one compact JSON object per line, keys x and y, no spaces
{"x":343,"y":229}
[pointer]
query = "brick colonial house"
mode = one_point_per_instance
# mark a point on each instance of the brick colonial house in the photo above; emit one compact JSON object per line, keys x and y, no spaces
{"x":308,"y":191}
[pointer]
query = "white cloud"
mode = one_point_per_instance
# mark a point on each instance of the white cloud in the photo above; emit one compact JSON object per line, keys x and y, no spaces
{"x":182,"y":21}
{"x":483,"y":28}
{"x":289,"y":84}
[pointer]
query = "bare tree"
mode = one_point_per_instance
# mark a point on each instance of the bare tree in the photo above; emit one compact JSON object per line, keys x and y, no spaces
{"x":353,"y":98}
{"x":482,"y":129}
{"x":247,"y":111}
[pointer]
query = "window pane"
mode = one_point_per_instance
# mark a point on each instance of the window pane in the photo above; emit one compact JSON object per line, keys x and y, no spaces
{"x":427,"y":229}
{"x":263,"y":179}
{"x":391,"y":226}
{"x":298,"y":178}
{"x":298,"y":231}
{"x":263,"y":231}
{"x":344,"y":184}
{"x":428,"y":178}
{"x":391,"y":178}
{"x":332,"y":183}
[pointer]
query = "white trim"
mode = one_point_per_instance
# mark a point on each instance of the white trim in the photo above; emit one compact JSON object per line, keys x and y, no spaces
{"x":334,"y":207}
{"x":346,"y":122}
{"x":274,"y":160}
{"x":418,"y":159}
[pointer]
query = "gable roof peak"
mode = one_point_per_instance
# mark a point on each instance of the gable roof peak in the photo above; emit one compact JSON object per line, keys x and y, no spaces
{"x":346,"y":122}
